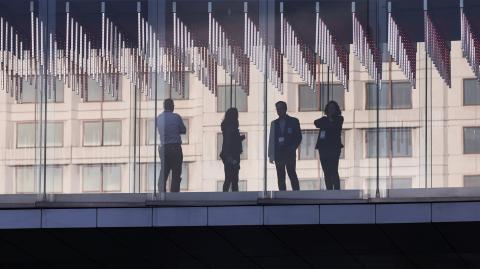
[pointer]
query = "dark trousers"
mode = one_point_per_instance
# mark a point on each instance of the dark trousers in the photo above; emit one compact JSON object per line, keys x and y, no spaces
{"x":171,"y":157}
{"x":329,"y":163}
{"x":231,"y":174}
{"x":289,"y":163}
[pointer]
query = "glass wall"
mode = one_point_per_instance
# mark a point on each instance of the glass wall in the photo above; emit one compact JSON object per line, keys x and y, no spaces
{"x":84,"y":84}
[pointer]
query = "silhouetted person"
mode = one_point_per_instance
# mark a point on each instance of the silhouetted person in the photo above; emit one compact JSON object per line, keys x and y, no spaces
{"x":329,"y":143}
{"x":285,"y":137}
{"x":170,"y":126}
{"x":231,"y":149}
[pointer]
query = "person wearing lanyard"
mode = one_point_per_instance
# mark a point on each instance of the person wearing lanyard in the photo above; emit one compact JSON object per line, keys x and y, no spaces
{"x":329,"y":143}
{"x":170,"y":126}
{"x":285,"y":137}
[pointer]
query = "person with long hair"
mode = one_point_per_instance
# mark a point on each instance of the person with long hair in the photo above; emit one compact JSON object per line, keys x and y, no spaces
{"x":231,"y":149}
{"x":329,"y":143}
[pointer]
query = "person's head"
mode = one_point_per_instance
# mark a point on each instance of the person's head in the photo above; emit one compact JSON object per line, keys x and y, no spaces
{"x":231,"y":116}
{"x":281,"y":107}
{"x":168,"y":105}
{"x":332,"y":109}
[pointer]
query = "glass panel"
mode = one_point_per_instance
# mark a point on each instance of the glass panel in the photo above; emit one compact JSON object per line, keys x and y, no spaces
{"x":231,"y":96}
{"x":25,"y":179}
{"x":112,"y":133}
{"x":112,"y":178}
{"x":371,"y":141}
{"x":54,"y":179}
{"x":471,"y":92}
{"x":384,"y":93}
{"x":401,"y":142}
{"x":55,"y":134}
{"x":401,"y":95}
{"x":307,"y":150}
{"x":308,"y":100}
{"x":92,"y":178}
{"x":25,"y":135}
{"x":30,"y":94}
{"x":471,"y":140}
{"x":334,"y":92}
{"x":242,"y":185}
{"x":471,"y":181}
{"x":92,"y":133}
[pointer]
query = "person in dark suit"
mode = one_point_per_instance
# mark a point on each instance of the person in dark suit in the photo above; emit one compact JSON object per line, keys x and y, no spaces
{"x":285,"y":137}
{"x":231,"y":149}
{"x":329,"y":143}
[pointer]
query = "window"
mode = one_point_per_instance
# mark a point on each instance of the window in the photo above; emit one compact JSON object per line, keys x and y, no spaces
{"x":308,"y":100}
{"x":26,"y":134}
{"x":243,"y":156}
{"x":399,"y":96}
{"x":233,"y":96}
{"x":471,"y":140}
{"x":471,"y":181}
{"x":242,"y":185}
{"x":102,"y":178}
{"x":393,"y":142}
{"x":32,"y":95}
{"x":97,"y":93}
{"x":151,"y":132}
{"x":25,"y":179}
{"x":387,"y":184}
{"x":150,"y":176}
{"x":109,"y":135}
{"x":471,"y":92}
{"x":164,"y":90}
{"x":307,"y":151}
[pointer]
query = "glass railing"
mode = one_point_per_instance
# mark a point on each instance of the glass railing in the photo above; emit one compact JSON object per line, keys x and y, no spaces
{"x":84,"y":85}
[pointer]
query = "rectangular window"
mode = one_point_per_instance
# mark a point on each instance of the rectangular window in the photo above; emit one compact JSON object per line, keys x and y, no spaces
{"x":393,"y":142}
{"x":165,"y":90}
{"x":398,"y":96}
{"x":471,"y":181}
{"x":32,"y":95}
{"x":26,"y":134}
{"x":97,"y":93}
{"x":25,"y":179}
{"x":150,"y":177}
{"x":243,"y":156}
{"x":308,"y":100}
{"x":233,"y":96}
{"x":102,"y":178}
{"x":151,"y":132}
{"x":471,"y":140}
{"x":307,"y":151}
{"x":471,"y":92}
{"x":102,"y":133}
{"x":242,"y":185}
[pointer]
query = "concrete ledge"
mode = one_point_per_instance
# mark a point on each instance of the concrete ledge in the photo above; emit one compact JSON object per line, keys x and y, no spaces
{"x":18,"y":200}
{"x":434,"y":193}
{"x":318,"y":195}
{"x":205,"y":198}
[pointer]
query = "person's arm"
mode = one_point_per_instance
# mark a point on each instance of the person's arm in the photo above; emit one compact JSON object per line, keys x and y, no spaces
{"x":319,"y":123}
{"x":182,"y":128}
{"x":298,"y":134}
{"x":271,"y":143}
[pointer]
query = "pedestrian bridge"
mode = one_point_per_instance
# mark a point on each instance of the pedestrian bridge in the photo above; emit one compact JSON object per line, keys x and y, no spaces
{"x":423,"y":228}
